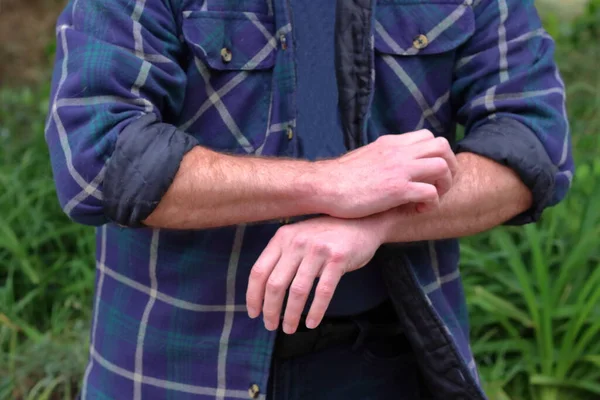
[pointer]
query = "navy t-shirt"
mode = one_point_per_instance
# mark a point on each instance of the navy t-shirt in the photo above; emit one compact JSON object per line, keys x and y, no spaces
{"x":319,"y":131}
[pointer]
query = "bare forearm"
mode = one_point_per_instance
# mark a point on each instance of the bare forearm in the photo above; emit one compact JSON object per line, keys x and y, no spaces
{"x":484,"y":195}
{"x":213,"y":189}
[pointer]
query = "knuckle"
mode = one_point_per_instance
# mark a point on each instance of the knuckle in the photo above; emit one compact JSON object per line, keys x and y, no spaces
{"x":337,"y":257}
{"x":270,"y":314}
{"x":299,"y":289}
{"x":300,"y":241}
{"x":275,"y":285}
{"x":284,"y":232}
{"x":325,"y":290}
{"x":442,"y":143}
{"x":252,"y":299}
{"x":426,"y":132}
{"x":319,"y":249}
{"x":258,"y":273}
{"x":440,"y":165}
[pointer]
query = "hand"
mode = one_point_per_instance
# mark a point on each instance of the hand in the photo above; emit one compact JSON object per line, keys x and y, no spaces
{"x":323,"y":247}
{"x":394,"y":170}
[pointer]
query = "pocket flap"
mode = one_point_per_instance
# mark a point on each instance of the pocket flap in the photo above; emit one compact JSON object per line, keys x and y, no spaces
{"x":422,"y":27}
{"x":231,"y":40}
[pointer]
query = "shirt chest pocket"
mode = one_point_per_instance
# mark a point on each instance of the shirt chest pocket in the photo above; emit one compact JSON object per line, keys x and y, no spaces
{"x":416,"y":45}
{"x":230,"y":72}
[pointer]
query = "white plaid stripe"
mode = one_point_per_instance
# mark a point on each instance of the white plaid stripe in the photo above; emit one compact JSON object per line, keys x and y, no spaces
{"x":215,"y":96}
{"x":436,"y":107}
{"x":62,"y":133}
{"x":236,"y":80}
{"x":270,"y":7}
{"x":165,"y":298}
{"x":92,"y":188}
{"x":388,"y":39}
{"x":221,"y":108}
{"x":141,"y":81}
{"x":491,"y":98}
{"x":565,"y":149}
{"x":98,"y":100}
{"x":428,"y":113}
{"x":99,"y":286}
{"x":502,"y":46}
{"x":433,"y":258}
{"x":252,"y":17}
{"x":85,"y":193}
{"x":135,"y":90}
{"x":431,"y":35}
{"x":139,"y":350}
{"x":414,"y":91}
{"x":523,"y":38}
{"x":230,"y":299}
{"x":260,"y":148}
{"x":164,"y":384}
{"x":443,"y":279}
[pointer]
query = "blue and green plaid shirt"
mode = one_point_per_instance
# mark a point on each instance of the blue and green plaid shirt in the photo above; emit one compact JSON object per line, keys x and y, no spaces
{"x":169,"y":316}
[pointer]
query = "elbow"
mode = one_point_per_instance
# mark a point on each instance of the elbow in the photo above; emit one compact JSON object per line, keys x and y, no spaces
{"x":142,"y":167}
{"x":83,"y":208}
{"x":512,"y":144}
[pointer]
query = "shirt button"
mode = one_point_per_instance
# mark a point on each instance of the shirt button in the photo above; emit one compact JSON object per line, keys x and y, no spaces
{"x":226,"y":54}
{"x":290,"y":132}
{"x":253,"y":391}
{"x":420,"y":42}
{"x":283,"y":41}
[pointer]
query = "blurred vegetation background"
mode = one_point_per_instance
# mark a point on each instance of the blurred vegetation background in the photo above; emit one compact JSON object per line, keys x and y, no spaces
{"x":534,"y":292}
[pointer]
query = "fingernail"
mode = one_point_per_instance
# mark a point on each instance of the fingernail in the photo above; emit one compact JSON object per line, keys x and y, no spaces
{"x":288,"y":328}
{"x":270,"y":326}
{"x":311,"y":323}
{"x":252,"y":313}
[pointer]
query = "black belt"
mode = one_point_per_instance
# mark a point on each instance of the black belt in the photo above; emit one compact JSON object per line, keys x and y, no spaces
{"x":336,"y":332}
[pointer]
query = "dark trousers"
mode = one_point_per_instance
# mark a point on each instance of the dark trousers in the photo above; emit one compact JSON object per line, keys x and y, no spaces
{"x":370,"y":368}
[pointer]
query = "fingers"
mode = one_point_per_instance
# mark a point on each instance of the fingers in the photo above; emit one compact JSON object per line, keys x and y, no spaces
{"x":277,"y":286}
{"x":299,"y":291}
{"x":425,"y":194}
{"x":258,"y":278}
{"x":409,"y":138}
{"x":438,"y":147}
{"x":323,"y":294}
{"x":434,"y":171}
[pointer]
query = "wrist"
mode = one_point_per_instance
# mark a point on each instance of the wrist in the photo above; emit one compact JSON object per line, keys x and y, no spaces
{"x":378,"y":226}
{"x":310,"y":188}
{"x":318,"y":188}
{"x":395,"y":225}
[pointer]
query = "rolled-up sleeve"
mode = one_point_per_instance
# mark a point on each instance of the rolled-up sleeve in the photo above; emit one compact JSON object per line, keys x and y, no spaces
{"x":510,"y":97}
{"x":116,"y":84}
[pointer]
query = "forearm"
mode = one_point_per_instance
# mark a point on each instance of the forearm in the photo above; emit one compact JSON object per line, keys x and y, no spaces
{"x":484,"y":195}
{"x":212,"y":189}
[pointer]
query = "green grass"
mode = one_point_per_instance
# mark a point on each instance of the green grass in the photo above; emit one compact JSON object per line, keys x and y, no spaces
{"x":46,"y":262}
{"x":533,"y":292}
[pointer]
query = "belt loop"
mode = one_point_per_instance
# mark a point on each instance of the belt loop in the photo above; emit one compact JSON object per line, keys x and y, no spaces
{"x":364,"y":329}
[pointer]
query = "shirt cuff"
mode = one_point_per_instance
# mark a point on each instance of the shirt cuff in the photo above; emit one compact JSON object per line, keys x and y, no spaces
{"x":514,"y":145}
{"x":143,"y":165}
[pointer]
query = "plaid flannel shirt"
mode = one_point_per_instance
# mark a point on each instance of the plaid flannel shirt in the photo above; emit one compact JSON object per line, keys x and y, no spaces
{"x":169,"y":317}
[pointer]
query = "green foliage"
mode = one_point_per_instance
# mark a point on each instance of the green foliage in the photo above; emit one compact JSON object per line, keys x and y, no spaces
{"x":533,"y":291}
{"x":46,"y":262}
{"x":534,"y":301}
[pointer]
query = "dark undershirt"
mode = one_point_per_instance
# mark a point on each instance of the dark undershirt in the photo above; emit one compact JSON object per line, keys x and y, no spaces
{"x":320,"y":135}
